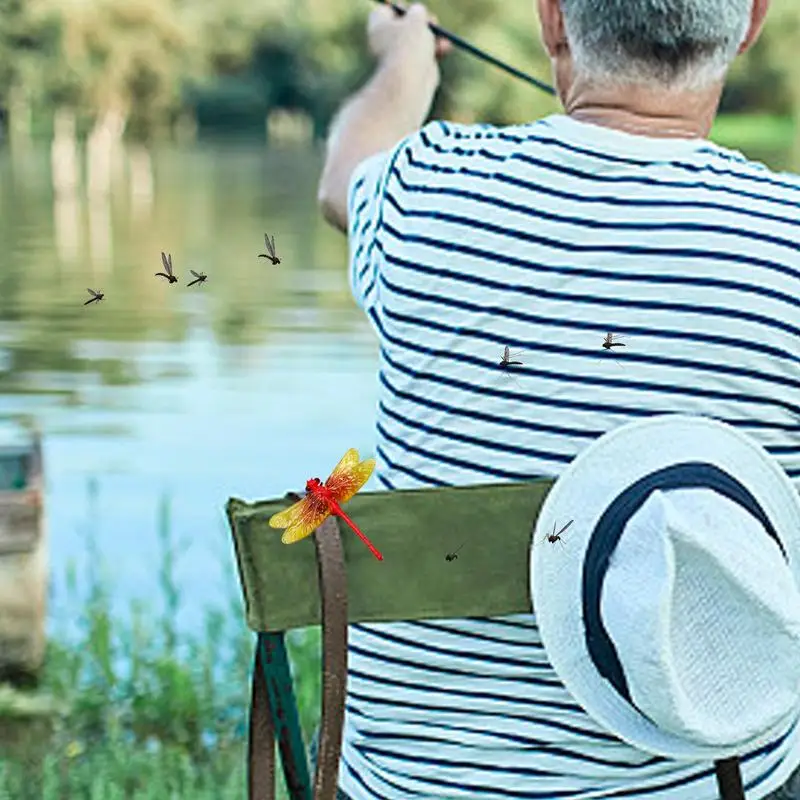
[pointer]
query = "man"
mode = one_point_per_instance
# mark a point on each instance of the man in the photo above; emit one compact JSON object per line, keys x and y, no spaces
{"x":617,"y":217}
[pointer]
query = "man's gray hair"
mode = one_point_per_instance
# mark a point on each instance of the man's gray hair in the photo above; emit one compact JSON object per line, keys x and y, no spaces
{"x":679,"y":43}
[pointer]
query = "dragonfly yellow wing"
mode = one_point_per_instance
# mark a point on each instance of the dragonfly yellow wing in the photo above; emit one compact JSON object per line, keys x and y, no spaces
{"x":349,"y":476}
{"x":300,"y":519}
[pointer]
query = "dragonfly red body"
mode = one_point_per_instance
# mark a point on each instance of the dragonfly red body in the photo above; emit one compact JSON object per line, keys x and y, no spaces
{"x":324,"y":499}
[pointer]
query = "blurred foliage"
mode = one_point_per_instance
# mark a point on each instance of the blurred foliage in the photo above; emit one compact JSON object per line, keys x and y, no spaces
{"x":151,"y":62}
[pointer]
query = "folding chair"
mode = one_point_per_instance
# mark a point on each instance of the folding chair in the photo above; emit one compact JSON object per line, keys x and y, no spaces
{"x":289,"y":586}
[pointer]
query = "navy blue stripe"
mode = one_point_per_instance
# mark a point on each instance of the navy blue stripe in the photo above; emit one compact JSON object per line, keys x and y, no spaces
{"x":523,"y":663}
{"x":481,"y":468}
{"x":381,"y":188}
{"x":525,"y":742}
{"x":446,"y":299}
{"x":488,"y":444}
{"x":371,"y":792}
{"x":385,"y":482}
{"x":582,"y":272}
{"x":563,"y":245}
{"x":711,"y":148}
{"x":636,"y":790}
{"x":540,"y":427}
{"x":581,"y":380}
{"x":600,"y":177}
{"x":580,"y":223}
{"x":427,"y":667}
{"x":539,"y":138}
{"x":598,"y":199}
{"x":531,"y":399}
{"x":436,"y":690}
{"x":479,"y":789}
{"x":444,"y":629}
{"x":531,"y":718}
{"x":611,"y":302}
{"x":539,"y":400}
{"x":473,"y":763}
{"x":412,"y":473}
{"x":359,"y":236}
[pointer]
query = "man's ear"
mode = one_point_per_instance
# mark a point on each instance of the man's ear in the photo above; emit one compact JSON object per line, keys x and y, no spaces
{"x":552,"y":21}
{"x":757,"y":17}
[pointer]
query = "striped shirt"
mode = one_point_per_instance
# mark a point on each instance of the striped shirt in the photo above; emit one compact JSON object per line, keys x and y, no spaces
{"x":544,"y":237}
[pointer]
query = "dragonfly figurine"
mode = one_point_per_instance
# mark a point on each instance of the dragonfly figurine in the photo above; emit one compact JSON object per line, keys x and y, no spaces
{"x":96,"y":296}
{"x":323,"y":499}
{"x":270,"y":254}
{"x":199,"y":277}
{"x":166,"y":260}
{"x":554,"y":537}
{"x":453,"y":556}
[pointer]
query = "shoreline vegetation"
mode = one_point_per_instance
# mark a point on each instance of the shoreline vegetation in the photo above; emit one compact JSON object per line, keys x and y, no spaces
{"x":133,"y":709}
{"x":755,"y":132}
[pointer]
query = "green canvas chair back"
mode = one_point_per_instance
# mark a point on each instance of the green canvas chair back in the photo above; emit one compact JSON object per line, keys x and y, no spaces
{"x":331,"y":579}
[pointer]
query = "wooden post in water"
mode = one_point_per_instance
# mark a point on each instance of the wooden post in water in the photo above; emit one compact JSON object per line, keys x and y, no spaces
{"x":23,"y":562}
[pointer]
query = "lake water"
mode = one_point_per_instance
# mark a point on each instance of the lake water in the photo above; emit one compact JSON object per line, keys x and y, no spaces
{"x":246,"y":385}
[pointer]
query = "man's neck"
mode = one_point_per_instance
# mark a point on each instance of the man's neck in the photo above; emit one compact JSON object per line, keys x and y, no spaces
{"x":644,"y":111}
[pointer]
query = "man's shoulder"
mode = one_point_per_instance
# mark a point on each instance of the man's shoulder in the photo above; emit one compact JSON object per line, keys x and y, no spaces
{"x":454,"y":136}
{"x":740,"y":164}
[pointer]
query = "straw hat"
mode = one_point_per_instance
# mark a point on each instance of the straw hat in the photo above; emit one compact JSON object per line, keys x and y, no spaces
{"x":670,"y":608}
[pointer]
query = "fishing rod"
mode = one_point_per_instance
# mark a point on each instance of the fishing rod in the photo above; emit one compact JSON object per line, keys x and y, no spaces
{"x":476,"y":51}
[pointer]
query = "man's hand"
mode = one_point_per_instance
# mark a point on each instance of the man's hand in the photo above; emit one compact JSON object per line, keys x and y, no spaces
{"x":406,"y":38}
{"x":392,"y":105}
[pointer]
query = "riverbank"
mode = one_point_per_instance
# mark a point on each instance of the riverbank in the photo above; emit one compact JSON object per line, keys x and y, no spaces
{"x":146,"y":711}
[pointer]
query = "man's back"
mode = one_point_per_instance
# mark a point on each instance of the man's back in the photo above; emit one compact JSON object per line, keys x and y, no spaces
{"x":544,"y":238}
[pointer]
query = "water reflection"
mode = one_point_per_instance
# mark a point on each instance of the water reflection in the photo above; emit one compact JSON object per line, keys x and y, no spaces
{"x":245,"y":385}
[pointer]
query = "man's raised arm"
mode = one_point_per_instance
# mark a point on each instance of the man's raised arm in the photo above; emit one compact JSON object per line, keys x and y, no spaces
{"x":393,"y":104}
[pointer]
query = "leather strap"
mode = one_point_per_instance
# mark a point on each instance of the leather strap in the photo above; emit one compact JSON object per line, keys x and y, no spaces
{"x":729,"y":779}
{"x":261,"y":742}
{"x":333,"y":582}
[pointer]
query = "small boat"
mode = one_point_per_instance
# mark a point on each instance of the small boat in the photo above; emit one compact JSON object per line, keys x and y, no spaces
{"x":23,"y":554}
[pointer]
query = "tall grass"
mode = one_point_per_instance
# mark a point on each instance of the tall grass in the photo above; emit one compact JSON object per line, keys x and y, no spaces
{"x":152,"y":713}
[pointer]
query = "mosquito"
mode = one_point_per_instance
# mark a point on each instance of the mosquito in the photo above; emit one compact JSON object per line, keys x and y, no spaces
{"x":199,"y":277}
{"x":270,"y":254}
{"x":452,"y":556}
{"x":508,"y":361}
{"x":555,"y":537}
{"x":96,"y":296}
{"x":609,"y":342}
{"x":166,"y":260}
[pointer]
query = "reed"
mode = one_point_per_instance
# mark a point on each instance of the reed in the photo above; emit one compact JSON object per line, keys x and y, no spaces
{"x":153,"y":712}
